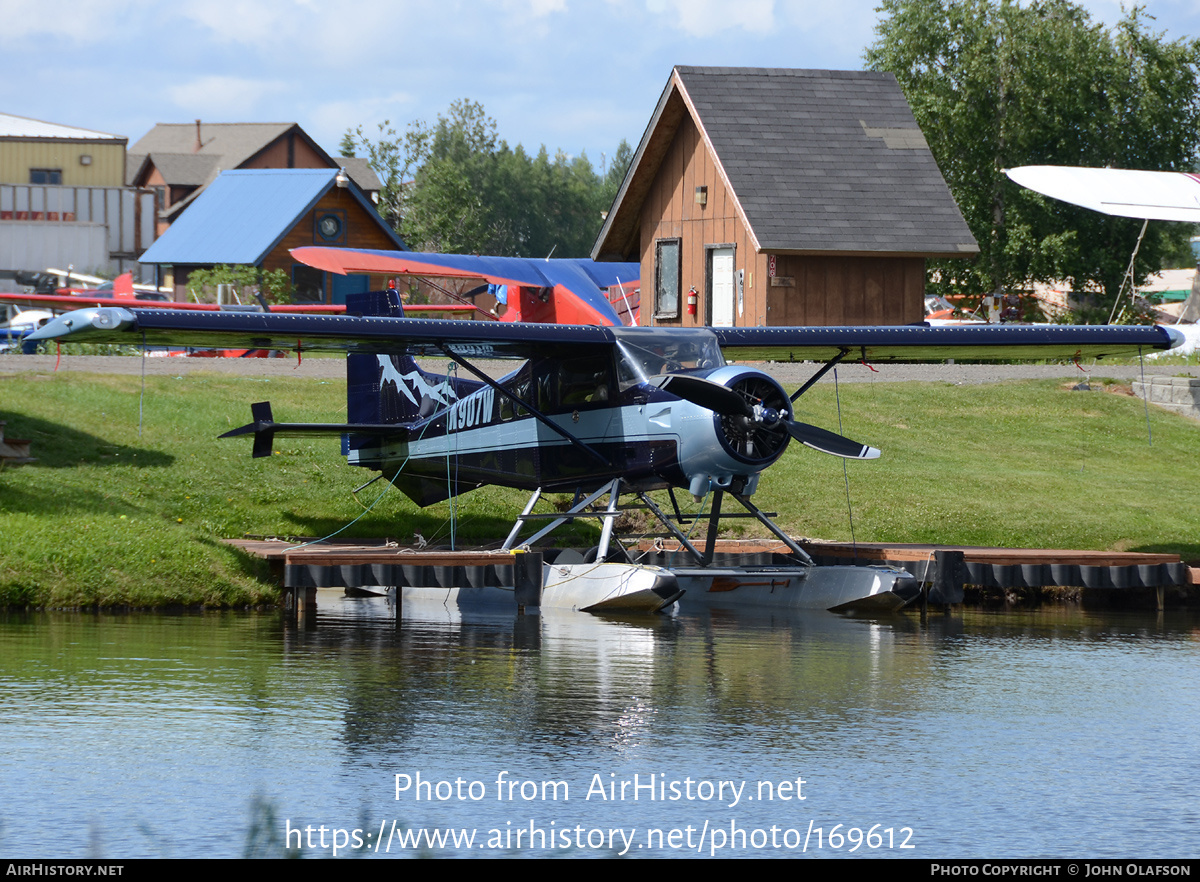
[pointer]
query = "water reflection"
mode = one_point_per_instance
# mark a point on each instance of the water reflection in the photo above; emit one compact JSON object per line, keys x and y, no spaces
{"x":147,"y":734}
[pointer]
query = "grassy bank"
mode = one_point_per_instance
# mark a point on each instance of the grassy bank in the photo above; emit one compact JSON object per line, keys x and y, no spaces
{"x":107,"y":517}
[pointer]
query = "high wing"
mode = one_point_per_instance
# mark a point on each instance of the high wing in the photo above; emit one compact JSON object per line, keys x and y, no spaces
{"x":575,"y":283}
{"x":1150,"y":195}
{"x":401,"y":336}
{"x":920,"y":343}
{"x":308,"y":333}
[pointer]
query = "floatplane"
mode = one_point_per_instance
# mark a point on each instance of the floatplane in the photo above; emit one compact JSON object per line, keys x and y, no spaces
{"x":601,"y":412}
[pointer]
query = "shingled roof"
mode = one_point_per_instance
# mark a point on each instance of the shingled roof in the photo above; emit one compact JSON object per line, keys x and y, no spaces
{"x":231,"y":143}
{"x":193,"y":154}
{"x":819,"y":162}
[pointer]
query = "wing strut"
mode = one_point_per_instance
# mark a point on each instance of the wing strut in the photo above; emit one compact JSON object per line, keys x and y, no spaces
{"x":537,"y":414}
{"x":828,"y":366}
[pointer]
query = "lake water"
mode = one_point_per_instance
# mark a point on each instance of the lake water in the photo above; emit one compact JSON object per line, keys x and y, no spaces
{"x":1044,"y":733}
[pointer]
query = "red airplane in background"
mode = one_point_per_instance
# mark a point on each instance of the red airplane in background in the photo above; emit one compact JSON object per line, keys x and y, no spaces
{"x":561,"y":291}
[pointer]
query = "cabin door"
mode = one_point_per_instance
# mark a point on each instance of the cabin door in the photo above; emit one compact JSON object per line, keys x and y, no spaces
{"x":721,"y":285}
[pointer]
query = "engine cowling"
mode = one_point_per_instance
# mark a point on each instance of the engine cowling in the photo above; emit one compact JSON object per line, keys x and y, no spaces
{"x":718,"y":448}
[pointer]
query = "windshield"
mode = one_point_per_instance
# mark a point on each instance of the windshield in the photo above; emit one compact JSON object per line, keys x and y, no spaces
{"x":643,"y":353}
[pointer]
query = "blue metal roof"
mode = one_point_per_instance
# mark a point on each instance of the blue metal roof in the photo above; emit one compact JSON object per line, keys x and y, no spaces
{"x":245,"y":213}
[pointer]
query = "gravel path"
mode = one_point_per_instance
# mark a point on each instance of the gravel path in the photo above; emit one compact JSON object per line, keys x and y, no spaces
{"x":788,"y":374}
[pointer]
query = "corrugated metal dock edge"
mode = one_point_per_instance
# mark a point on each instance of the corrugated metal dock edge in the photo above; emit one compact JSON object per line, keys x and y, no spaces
{"x":944,"y":570}
{"x":949,"y":574}
{"x":367,"y":563}
{"x":417,"y":571}
{"x":381,"y":564}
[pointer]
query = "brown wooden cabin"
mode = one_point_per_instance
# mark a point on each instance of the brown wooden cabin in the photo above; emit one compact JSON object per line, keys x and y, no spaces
{"x":178,"y":161}
{"x":782,"y":197}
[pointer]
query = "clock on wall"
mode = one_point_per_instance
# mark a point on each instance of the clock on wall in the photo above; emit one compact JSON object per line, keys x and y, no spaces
{"x":331,"y":227}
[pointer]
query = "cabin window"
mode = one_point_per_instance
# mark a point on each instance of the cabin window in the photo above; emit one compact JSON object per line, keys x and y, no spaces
{"x":666,"y":278}
{"x":45,"y":176}
{"x":574,"y":383}
{"x":520,"y":389}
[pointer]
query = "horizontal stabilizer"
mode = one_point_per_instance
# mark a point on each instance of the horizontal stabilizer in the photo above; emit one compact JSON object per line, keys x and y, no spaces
{"x":265,"y":429}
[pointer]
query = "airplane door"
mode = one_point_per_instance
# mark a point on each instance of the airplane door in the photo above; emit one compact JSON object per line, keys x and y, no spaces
{"x":721,"y":286}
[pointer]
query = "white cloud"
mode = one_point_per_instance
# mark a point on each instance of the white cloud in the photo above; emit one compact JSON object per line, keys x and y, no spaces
{"x":354,"y":29}
{"x":224,"y":97}
{"x":542,"y":8}
{"x":81,"y":22}
{"x":249,"y":22}
{"x":705,"y":18}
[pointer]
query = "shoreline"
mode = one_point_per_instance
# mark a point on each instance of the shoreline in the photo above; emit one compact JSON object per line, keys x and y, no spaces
{"x":111,"y":519}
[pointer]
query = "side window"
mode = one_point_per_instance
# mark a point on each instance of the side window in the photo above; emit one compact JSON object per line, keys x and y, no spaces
{"x":580,"y":382}
{"x":666,"y":278}
{"x":509,"y":410}
{"x":45,"y":176}
{"x":573,"y":383}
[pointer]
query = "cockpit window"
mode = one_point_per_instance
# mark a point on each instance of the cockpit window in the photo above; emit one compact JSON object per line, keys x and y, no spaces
{"x":654,"y":352}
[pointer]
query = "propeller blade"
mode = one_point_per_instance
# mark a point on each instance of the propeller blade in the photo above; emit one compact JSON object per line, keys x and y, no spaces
{"x":830,"y":442}
{"x":707,"y":394}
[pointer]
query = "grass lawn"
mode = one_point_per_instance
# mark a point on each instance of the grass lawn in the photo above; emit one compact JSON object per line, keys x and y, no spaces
{"x":110,"y":518}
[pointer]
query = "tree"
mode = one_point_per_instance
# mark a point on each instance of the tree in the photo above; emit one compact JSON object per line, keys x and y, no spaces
{"x":450,"y":207}
{"x":394,"y":159}
{"x":275,"y":285}
{"x":614,"y":175}
{"x":996,"y":85}
{"x":457,"y":187}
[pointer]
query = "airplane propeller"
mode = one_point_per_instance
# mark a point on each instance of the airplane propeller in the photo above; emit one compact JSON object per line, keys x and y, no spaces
{"x":754,"y":427}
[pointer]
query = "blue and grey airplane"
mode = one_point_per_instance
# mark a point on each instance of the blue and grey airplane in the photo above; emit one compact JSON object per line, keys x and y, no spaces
{"x":592,"y":410}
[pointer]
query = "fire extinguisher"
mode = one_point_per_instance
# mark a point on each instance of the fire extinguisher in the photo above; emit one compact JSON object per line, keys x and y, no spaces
{"x":692,"y":301}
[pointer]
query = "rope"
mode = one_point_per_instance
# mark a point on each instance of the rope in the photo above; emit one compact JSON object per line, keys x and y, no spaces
{"x":365,"y":511}
{"x":452,"y":368}
{"x":142,"y":395}
{"x":1145,"y":398}
{"x":391,"y":483}
{"x":845,"y":469}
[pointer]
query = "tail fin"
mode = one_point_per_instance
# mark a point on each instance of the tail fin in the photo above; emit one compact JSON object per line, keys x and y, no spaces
{"x":123,"y":286}
{"x":394,"y":389}
{"x":388,"y":388}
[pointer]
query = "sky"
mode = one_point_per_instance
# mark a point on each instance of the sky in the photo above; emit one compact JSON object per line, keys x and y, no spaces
{"x":571,"y":75}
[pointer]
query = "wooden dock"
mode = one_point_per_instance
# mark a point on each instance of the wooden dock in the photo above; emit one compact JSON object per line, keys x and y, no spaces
{"x":945,"y":569}
{"x":14,"y":451}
